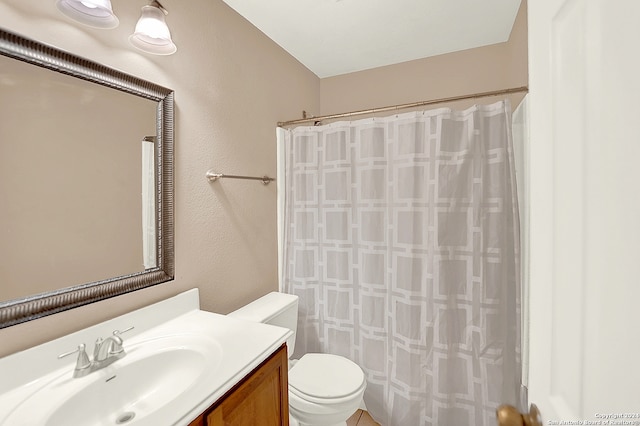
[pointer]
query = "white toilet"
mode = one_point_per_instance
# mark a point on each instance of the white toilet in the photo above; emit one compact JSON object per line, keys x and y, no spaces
{"x":324,"y":389}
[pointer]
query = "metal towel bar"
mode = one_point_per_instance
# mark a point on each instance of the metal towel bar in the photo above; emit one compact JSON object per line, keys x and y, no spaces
{"x":213,"y":176}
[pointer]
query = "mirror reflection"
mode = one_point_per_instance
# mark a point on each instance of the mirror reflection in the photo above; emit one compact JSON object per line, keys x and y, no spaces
{"x":70,"y":179}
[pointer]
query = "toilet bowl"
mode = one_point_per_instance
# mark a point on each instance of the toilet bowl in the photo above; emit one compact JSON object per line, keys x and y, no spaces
{"x":324,"y":389}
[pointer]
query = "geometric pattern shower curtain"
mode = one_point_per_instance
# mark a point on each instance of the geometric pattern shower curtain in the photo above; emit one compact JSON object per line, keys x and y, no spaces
{"x":401,"y":240}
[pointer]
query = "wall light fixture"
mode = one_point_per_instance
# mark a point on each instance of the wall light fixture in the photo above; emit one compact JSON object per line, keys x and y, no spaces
{"x":152,"y":34}
{"x":95,"y":13}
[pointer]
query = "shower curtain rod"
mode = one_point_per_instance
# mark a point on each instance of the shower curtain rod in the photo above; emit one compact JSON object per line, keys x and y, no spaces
{"x":316,"y":120}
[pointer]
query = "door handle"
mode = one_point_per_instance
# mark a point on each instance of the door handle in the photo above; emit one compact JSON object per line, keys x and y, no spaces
{"x":508,"y":415}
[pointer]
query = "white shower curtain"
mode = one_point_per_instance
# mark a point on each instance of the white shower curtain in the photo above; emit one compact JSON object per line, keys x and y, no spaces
{"x":400,"y":236}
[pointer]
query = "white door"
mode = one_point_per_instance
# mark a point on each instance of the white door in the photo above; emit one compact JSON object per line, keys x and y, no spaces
{"x":584,"y":81}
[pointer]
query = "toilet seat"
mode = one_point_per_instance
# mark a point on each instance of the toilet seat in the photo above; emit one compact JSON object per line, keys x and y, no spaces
{"x":326,"y":379}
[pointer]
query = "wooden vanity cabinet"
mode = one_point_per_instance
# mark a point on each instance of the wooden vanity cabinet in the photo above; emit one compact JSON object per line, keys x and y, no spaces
{"x":260,"y":399}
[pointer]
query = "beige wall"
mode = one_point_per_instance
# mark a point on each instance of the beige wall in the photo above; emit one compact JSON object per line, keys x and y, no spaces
{"x":232,"y":85}
{"x":483,"y":69}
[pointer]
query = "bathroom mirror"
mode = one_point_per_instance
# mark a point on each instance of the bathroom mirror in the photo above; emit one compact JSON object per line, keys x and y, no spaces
{"x":86,"y":181}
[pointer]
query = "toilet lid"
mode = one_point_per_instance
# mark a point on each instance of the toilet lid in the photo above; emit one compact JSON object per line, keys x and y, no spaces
{"x":325,"y":376}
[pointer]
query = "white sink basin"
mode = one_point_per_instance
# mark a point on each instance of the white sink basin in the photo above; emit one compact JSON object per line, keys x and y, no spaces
{"x":179,"y":360}
{"x":149,"y":378}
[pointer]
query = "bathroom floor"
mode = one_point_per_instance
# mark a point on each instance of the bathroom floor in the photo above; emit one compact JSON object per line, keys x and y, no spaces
{"x":361,"y":418}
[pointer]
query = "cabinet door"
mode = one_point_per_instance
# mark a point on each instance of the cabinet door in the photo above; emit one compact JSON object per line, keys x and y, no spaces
{"x":198,"y":422}
{"x":261,"y":399}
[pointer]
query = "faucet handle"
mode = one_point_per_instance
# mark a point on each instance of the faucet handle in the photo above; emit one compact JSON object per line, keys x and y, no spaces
{"x":118,"y":332}
{"x":83,"y":359}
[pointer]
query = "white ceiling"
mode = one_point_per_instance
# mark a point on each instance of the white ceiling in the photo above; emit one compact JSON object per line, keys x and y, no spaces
{"x":333,"y":37}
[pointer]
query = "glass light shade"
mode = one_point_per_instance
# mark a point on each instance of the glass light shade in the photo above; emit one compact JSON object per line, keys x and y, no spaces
{"x":152,"y":34}
{"x":94,"y":13}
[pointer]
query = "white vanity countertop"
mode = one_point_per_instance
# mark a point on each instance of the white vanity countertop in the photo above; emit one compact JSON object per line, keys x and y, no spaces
{"x":242,"y":346}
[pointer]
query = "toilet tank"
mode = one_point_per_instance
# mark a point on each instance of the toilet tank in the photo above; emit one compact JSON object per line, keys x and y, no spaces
{"x":275,"y":308}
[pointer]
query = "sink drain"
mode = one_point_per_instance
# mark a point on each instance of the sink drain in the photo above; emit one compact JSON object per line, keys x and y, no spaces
{"x":125,"y":417}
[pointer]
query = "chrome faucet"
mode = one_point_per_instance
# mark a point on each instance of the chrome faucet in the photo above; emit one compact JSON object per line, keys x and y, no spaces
{"x":108,"y":349}
{"x":105,"y":352}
